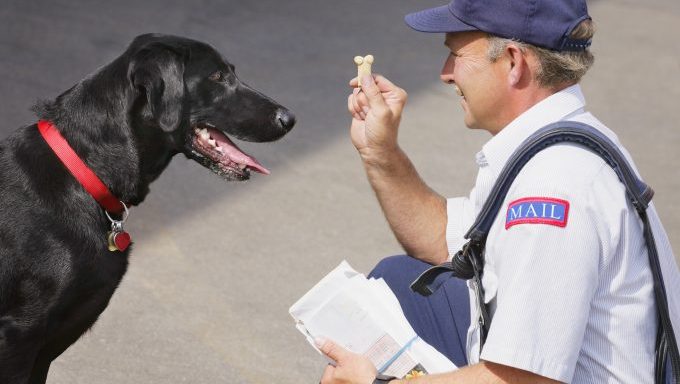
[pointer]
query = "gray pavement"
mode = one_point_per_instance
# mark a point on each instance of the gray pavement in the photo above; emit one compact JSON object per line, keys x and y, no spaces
{"x":216,"y":265}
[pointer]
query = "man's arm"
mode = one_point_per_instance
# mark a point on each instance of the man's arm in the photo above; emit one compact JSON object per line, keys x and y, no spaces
{"x":352,"y":368}
{"x":416,"y":214}
{"x":483,"y":373}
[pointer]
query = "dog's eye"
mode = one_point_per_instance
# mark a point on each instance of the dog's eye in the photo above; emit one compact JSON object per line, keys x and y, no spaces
{"x":217,"y":76}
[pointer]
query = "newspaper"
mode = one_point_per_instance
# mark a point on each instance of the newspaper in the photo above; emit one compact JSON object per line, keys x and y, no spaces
{"x":364,"y":316}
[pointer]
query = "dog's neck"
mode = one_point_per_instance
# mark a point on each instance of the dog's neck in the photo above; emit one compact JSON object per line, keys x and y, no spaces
{"x":111,"y":136}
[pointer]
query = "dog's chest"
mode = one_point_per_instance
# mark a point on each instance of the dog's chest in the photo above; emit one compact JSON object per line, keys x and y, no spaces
{"x":86,"y":296}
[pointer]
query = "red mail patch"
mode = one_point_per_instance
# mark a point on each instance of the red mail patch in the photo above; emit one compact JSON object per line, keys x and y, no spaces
{"x":537,"y":210}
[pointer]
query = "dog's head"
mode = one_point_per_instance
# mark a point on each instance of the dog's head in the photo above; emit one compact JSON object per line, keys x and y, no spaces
{"x":191,"y":95}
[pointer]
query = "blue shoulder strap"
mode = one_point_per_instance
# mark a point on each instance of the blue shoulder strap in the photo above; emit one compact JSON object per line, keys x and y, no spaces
{"x":468,"y":263}
{"x":561,"y":132}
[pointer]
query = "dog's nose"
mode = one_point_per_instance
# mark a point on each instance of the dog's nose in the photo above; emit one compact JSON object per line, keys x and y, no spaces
{"x":285,"y":119}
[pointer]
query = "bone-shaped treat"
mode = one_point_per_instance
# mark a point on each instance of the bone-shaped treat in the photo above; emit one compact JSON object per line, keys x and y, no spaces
{"x":363,"y":66}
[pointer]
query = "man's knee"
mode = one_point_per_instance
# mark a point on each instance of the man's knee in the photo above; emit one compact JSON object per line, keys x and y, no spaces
{"x":441,"y":319}
{"x":399,"y":267}
{"x":389,"y":266}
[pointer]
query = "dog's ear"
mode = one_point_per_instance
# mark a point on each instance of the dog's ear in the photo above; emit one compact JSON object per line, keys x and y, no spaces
{"x":158,"y":71}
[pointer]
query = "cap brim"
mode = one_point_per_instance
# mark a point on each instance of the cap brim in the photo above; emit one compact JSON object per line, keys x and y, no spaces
{"x":437,"y":20}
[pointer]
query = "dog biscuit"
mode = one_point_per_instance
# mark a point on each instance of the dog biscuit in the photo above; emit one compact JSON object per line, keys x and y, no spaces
{"x":363,"y":66}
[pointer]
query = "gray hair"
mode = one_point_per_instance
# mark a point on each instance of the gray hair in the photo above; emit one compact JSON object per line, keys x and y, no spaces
{"x":554,"y":68}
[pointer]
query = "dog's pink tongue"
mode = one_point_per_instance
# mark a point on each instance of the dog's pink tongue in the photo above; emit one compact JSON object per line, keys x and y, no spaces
{"x":234,"y":153}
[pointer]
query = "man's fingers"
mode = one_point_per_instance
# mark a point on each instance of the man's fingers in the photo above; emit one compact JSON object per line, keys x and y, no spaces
{"x":350,"y":107}
{"x":355,"y":106}
{"x":356,"y":103}
{"x":332,"y":350}
{"x":384,"y":85}
{"x":372,"y":92}
{"x":327,"y":376}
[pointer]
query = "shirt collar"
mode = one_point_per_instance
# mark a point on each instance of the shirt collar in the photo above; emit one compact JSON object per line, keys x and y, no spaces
{"x":496,"y":152}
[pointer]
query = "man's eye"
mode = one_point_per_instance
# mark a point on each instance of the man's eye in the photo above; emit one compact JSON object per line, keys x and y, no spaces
{"x":217,"y":76}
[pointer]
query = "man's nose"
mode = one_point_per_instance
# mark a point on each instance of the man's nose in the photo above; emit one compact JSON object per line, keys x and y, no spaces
{"x":447,"y":78}
{"x":446,"y":74}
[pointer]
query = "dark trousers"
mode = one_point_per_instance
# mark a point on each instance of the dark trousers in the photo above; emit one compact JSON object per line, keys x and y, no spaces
{"x":441,"y":319}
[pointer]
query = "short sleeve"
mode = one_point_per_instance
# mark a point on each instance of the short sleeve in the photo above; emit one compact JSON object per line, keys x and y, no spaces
{"x":541,"y":274}
{"x":460,"y":216}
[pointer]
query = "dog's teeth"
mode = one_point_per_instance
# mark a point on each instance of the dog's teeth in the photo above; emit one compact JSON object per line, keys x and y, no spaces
{"x":204,"y":134}
{"x":212,"y":142}
{"x":242,"y":166}
{"x":219,"y":149}
{"x":210,"y":125}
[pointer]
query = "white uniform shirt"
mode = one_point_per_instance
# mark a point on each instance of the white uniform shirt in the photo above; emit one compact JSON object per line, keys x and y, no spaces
{"x":569,"y":287}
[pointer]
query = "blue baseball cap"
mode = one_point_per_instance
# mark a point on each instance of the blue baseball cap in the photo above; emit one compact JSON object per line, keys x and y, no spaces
{"x":544,"y":23}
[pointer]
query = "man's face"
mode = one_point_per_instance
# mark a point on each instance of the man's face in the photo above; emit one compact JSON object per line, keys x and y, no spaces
{"x":480,"y":82}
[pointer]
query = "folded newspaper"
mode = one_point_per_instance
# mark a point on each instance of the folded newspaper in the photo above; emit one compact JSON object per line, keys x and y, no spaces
{"x":365,"y":317}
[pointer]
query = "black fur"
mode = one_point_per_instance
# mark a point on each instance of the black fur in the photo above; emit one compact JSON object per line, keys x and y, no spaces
{"x":126,"y":121}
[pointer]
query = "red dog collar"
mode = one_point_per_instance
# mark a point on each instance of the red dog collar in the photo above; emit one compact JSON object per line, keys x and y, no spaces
{"x":92,"y":184}
{"x":118,"y":239}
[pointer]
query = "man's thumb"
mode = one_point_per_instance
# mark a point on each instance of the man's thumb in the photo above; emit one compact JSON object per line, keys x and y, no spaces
{"x":330,"y":349}
{"x":370,"y":88}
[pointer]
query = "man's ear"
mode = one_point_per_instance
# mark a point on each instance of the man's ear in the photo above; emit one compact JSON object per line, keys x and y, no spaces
{"x":518,"y":65}
{"x":157,"y":70}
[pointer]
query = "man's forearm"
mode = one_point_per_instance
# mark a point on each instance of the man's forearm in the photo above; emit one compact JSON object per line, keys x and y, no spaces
{"x":416,"y":214}
{"x":477,"y":374}
{"x":482,"y":373}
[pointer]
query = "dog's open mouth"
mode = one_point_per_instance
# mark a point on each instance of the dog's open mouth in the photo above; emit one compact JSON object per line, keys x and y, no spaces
{"x":221,"y":155}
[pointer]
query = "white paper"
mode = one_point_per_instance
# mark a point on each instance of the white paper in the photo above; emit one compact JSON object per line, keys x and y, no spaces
{"x":364,"y":316}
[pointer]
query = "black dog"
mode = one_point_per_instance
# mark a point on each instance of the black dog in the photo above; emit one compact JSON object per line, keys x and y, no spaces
{"x":164,"y":95}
